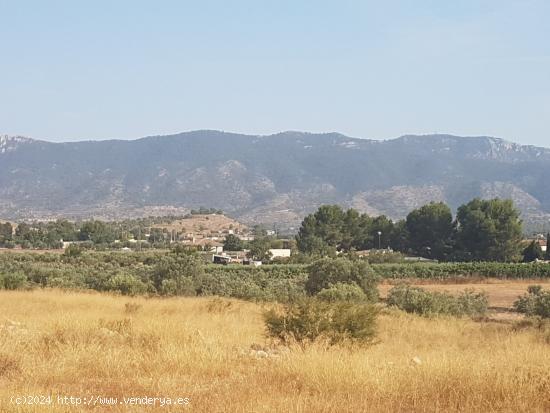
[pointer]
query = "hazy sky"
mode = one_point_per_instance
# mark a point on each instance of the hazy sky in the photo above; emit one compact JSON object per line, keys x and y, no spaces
{"x":72,"y":70}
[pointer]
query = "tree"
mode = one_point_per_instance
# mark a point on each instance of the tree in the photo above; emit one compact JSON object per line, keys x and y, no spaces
{"x":430,"y":229}
{"x":98,"y":232}
{"x":322,"y":229}
{"x":533,"y":252}
{"x":232,"y":243}
{"x":63,"y":230}
{"x":489,"y":230}
{"x":6,"y":231}
{"x":547,"y":254}
{"x":381,"y":232}
{"x":400,"y":236}
{"x":259,"y":249}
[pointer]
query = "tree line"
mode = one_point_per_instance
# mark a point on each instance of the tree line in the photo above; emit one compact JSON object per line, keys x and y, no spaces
{"x":483,"y":230}
{"x":47,"y":235}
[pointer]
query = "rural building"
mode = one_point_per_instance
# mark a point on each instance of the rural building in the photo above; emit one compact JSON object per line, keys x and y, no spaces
{"x":280,"y":253}
{"x":221,"y":259}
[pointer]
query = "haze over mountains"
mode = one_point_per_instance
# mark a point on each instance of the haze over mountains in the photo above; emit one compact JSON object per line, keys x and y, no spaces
{"x":270,"y":179}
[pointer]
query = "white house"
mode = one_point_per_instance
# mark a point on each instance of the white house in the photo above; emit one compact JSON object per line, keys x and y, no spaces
{"x":280,"y":253}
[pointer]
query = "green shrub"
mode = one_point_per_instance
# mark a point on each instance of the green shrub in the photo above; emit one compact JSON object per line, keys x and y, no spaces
{"x":174,"y":270}
{"x":13,"y":281}
{"x":472,"y":303}
{"x":327,"y":272}
{"x":310,"y":319}
{"x":73,"y":251}
{"x":443,"y":271}
{"x":419,"y":301}
{"x":126,"y":284}
{"x":535,"y":303}
{"x":342,"y":292}
{"x":178,"y":286}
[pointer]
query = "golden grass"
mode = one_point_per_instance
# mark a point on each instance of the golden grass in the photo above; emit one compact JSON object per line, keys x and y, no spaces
{"x":92,"y":344}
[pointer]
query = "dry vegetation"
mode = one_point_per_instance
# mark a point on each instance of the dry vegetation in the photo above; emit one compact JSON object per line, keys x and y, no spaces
{"x":208,"y":223}
{"x":207,"y":349}
{"x":501,"y":293}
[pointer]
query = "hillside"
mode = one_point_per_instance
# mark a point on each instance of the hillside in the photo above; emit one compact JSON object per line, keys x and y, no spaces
{"x":271,"y":179}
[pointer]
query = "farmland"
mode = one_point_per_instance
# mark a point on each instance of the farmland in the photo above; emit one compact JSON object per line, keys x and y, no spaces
{"x":117,"y":326}
{"x":213,"y":351}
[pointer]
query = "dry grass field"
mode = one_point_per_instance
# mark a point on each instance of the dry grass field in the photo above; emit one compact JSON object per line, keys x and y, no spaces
{"x":215,"y":353}
{"x":204,"y":224}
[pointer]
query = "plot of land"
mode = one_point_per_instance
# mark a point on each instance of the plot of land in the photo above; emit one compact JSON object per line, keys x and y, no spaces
{"x":215,"y":353}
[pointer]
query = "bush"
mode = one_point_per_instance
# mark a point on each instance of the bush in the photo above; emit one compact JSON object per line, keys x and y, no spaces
{"x":535,"y":303}
{"x":13,"y":281}
{"x":310,"y":319}
{"x":328,"y":272}
{"x":73,"y":250}
{"x":177,"y":273}
{"x":178,"y":286}
{"x":126,"y":284}
{"x":419,"y":301}
{"x":342,"y":292}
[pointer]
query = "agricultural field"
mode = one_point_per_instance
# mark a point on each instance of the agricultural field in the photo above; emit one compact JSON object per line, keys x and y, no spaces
{"x":215,"y":353}
{"x":335,"y":335}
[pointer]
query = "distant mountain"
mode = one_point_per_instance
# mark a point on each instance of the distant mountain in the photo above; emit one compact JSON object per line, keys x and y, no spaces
{"x":271,"y":179}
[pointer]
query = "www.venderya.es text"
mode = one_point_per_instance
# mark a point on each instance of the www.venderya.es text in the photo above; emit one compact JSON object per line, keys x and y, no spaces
{"x":94,"y":400}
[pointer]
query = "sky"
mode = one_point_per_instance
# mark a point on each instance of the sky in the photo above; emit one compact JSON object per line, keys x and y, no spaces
{"x":75,"y":70}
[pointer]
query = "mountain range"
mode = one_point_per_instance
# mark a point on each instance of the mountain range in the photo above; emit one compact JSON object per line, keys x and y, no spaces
{"x":273,"y":179}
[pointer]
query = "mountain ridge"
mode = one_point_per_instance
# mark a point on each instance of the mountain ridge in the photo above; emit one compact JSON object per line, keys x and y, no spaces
{"x":254,"y":177}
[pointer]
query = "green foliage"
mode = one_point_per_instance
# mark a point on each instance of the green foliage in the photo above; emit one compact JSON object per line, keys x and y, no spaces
{"x":98,"y":232}
{"x":6,"y":234}
{"x":73,"y":251}
{"x":126,"y":284}
{"x":535,"y":303}
{"x":384,"y":257}
{"x":430,"y":230}
{"x":342,"y":292}
{"x":442,"y":271}
{"x":332,"y":229}
{"x":533,"y":252}
{"x":310,"y":319}
{"x":328,"y":272}
{"x":419,"y":301}
{"x":13,"y":281}
{"x":177,"y":273}
{"x":489,"y":230}
{"x":483,"y":231}
{"x":184,"y":273}
{"x":232,"y":243}
{"x":282,"y":283}
{"x":259,"y":249}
